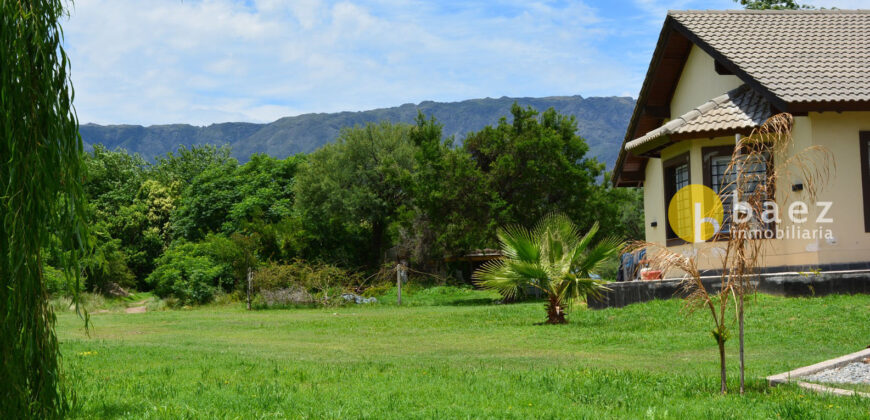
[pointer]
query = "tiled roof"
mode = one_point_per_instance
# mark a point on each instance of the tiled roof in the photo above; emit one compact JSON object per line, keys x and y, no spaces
{"x":740,"y":108}
{"x":799,"y":56}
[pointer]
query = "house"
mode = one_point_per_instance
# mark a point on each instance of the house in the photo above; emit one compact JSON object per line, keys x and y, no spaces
{"x":716,"y":75}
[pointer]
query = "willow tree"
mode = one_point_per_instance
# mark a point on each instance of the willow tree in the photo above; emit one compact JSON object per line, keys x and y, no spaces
{"x":40,"y":197}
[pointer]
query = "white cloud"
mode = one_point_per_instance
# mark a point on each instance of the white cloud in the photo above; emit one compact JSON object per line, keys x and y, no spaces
{"x":208,"y":61}
{"x":204,"y":61}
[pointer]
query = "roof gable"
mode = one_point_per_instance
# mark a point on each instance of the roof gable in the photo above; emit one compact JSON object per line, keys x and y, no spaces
{"x":798,"y":61}
{"x":797,"y":56}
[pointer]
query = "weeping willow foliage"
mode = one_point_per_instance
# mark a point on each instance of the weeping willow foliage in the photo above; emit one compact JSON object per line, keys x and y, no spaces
{"x":41,"y":198}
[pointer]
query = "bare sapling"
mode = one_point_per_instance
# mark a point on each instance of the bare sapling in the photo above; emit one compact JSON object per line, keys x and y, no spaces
{"x":756,"y":165}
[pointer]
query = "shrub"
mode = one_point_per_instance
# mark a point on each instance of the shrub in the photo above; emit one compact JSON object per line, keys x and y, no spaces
{"x":107,"y":265}
{"x":302,"y":282}
{"x":55,"y":282}
{"x":190,"y":273}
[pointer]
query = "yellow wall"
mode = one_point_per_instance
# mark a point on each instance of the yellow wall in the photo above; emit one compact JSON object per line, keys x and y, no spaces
{"x":838,"y":132}
{"x":654,"y":202}
{"x":699,"y":83}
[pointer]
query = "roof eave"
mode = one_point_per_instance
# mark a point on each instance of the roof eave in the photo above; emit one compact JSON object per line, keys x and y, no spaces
{"x":640,"y":104}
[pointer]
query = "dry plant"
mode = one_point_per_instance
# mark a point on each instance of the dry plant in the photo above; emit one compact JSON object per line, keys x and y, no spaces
{"x":692,"y":287}
{"x":758,"y":162}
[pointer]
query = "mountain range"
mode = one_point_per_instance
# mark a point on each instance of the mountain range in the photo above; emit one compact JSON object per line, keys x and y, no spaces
{"x":602,"y":121}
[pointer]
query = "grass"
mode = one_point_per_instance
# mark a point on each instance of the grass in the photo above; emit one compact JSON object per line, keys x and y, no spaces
{"x":442,"y":357}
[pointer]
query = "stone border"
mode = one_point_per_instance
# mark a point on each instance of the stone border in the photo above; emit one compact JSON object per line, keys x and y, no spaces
{"x":793,"y":375}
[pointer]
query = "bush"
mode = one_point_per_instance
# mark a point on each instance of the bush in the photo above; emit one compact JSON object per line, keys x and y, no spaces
{"x":108,"y":265}
{"x":302,"y":282}
{"x":55,"y":282}
{"x":190,"y":273}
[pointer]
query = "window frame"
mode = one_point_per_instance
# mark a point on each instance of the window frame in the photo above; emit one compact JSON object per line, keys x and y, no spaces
{"x":671,"y":238}
{"x":707,"y":155}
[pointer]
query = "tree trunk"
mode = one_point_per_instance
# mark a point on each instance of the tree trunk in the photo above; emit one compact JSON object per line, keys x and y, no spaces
{"x":555,"y":311}
{"x":249,"y":285}
{"x":740,"y":322}
{"x":377,"y":243}
{"x":724,"y":387}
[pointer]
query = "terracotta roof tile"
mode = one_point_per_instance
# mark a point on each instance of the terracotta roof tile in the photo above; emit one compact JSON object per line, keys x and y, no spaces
{"x":799,"y":56}
{"x":740,"y":108}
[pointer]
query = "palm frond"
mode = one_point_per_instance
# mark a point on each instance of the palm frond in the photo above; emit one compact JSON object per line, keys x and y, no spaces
{"x":496,"y":275}
{"x":589,"y":261}
{"x":560,"y":225}
{"x":519,"y":243}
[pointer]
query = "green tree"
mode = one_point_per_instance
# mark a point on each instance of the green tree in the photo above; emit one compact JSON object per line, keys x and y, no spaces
{"x":206,"y":201}
{"x":534,"y":165}
{"x":554,"y":258}
{"x":450,"y":211}
{"x":255,"y":199}
{"x":130,"y":213}
{"x":40,"y":196}
{"x":113,"y":179}
{"x":772,"y":4}
{"x":183,"y":165}
{"x":349,"y":193}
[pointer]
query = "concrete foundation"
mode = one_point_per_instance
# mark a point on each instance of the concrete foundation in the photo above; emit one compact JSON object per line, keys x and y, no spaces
{"x":779,"y":284}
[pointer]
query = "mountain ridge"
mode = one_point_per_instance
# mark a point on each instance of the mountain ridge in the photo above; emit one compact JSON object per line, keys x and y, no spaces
{"x":600,"y":120}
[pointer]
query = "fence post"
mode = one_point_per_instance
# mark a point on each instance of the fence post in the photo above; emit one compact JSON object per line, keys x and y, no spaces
{"x":250,"y":279}
{"x":399,"y":283}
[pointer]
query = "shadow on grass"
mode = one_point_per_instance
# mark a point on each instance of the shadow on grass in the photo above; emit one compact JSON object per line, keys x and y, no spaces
{"x":107,"y":411}
{"x":469,"y":302}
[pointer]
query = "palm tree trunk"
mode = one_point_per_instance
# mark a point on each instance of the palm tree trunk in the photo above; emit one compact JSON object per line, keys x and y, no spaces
{"x":555,"y":311}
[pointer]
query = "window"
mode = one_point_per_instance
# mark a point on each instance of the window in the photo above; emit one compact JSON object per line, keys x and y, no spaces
{"x":865,"y":176}
{"x":676,"y":173}
{"x":715,"y":165}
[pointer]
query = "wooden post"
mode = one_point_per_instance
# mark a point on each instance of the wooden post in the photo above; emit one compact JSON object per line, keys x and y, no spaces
{"x":250,"y":280}
{"x":399,"y":269}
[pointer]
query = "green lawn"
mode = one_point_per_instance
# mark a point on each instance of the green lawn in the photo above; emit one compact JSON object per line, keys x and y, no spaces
{"x":449,"y":355}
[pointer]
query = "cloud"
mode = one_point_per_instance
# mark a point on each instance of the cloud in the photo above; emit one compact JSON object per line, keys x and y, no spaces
{"x":214,"y":60}
{"x":205,"y":61}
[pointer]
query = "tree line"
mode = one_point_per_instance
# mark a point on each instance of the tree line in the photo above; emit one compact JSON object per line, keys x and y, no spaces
{"x":190,"y":223}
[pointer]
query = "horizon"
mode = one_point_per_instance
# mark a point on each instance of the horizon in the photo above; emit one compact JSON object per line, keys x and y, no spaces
{"x":213,"y":61}
{"x":360,"y":111}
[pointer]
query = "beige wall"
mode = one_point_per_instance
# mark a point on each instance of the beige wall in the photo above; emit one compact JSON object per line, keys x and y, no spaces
{"x":699,"y":83}
{"x":838,"y":132}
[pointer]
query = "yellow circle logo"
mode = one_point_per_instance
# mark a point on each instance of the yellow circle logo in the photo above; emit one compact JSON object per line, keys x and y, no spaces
{"x":695,"y":213}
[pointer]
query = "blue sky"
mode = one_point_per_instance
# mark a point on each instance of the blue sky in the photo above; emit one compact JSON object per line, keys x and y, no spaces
{"x":201,"y":62}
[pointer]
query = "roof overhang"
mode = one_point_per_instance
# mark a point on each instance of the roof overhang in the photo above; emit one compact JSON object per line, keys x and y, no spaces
{"x":653,"y":103}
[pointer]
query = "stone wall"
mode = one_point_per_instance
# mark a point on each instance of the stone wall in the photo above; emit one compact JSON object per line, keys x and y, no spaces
{"x":785,"y":284}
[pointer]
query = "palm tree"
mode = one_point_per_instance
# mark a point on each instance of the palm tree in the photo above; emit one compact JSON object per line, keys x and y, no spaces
{"x":552,"y":257}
